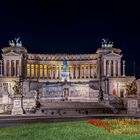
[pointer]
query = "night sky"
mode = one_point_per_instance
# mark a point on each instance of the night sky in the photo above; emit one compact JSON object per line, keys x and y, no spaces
{"x":74,"y":27}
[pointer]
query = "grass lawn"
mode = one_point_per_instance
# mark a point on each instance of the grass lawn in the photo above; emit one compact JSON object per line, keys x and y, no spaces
{"x":79,"y":130}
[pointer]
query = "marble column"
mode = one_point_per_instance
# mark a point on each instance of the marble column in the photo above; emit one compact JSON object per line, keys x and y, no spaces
{"x":104,"y":67}
{"x":109,"y":68}
{"x":114,"y":68}
{"x":123,"y":68}
{"x":119,"y":68}
{"x":10,"y":70}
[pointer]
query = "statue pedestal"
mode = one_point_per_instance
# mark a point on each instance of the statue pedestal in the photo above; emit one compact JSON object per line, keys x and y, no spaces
{"x":132,"y":105}
{"x":17,"y":105}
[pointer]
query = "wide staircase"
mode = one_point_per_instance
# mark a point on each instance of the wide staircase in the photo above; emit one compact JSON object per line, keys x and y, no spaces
{"x":73,"y":108}
{"x":113,"y":105}
{"x":72,"y":105}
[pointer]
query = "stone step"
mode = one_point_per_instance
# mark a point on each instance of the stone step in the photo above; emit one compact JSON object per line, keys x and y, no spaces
{"x":72,"y":105}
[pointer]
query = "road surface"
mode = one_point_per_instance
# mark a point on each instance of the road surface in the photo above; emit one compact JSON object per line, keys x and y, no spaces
{"x":12,"y":121}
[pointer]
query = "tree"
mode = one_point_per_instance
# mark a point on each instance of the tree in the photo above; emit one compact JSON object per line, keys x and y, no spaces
{"x":132,"y":88}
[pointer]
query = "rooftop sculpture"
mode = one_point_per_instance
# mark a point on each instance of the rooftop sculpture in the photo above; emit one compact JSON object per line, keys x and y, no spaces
{"x":106,"y":43}
{"x":15,"y":43}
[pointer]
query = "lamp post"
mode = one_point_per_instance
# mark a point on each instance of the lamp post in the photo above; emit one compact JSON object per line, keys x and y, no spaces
{"x":37,"y":91}
{"x":134,"y":69}
{"x":100,"y":81}
{"x":21,"y":84}
{"x":18,"y":98}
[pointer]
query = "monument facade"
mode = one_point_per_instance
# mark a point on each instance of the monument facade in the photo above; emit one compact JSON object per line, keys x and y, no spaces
{"x":58,"y":78}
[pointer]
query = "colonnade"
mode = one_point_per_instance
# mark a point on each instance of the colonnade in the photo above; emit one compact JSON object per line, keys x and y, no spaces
{"x":112,"y":67}
{"x":78,"y":71}
{"x":11,"y":67}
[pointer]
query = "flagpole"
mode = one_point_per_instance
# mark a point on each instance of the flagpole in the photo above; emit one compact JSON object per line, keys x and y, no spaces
{"x":134,"y":69}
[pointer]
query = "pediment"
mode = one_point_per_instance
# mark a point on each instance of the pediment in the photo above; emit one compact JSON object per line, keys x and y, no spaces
{"x":112,"y":54}
{"x":12,"y":54}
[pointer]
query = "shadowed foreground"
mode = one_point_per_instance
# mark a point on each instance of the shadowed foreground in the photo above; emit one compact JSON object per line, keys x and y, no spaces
{"x":61,"y":131}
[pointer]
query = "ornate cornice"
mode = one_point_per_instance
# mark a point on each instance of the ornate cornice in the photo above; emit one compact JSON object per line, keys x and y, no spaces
{"x":61,"y":57}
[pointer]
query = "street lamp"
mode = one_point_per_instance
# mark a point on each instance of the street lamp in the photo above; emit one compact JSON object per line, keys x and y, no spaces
{"x":100,"y":80}
{"x":37,"y":91}
{"x":21,"y":83}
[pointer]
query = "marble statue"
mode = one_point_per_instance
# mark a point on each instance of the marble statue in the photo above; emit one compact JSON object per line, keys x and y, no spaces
{"x":17,"y":88}
{"x":15,"y":43}
{"x":106,"y":43}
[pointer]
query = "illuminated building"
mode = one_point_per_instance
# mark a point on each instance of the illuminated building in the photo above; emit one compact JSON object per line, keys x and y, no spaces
{"x":63,"y":78}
